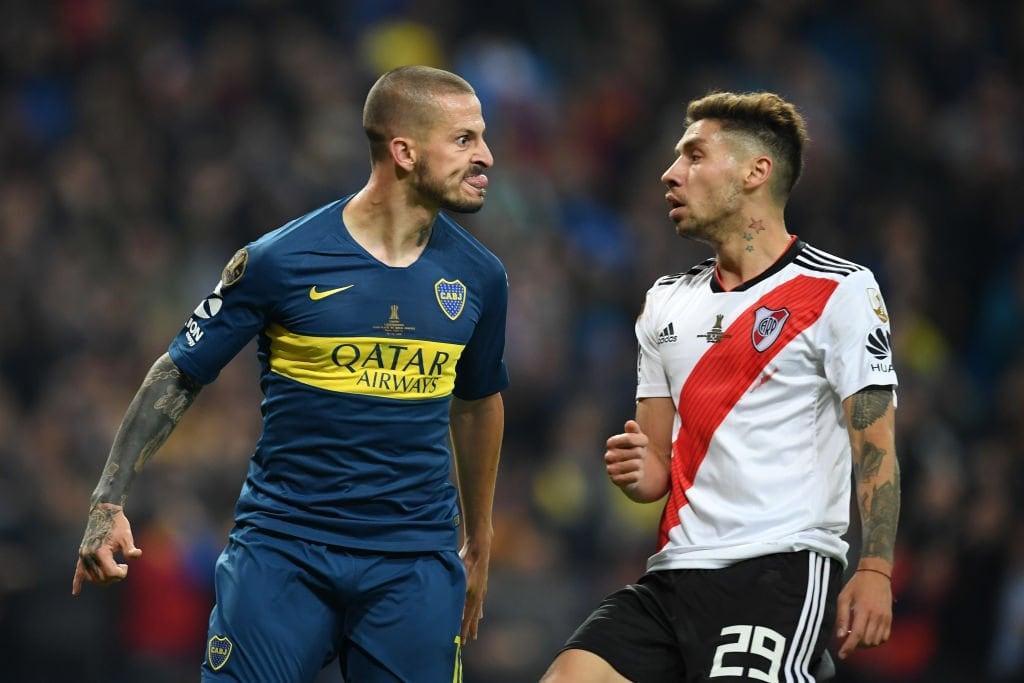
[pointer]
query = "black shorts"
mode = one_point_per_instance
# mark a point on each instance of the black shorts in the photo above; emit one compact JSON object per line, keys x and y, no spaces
{"x":764,"y":619}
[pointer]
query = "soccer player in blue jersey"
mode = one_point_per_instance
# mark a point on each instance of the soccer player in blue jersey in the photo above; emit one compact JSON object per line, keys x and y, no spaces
{"x":381,"y":327}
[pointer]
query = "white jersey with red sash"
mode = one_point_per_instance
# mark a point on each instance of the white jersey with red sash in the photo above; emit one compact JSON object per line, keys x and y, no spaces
{"x":760,"y":456}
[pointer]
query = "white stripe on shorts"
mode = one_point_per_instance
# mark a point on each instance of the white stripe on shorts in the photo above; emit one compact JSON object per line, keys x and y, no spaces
{"x":797,"y":667}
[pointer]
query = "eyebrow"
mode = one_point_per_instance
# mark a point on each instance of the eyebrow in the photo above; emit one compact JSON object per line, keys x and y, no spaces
{"x":689,"y":144}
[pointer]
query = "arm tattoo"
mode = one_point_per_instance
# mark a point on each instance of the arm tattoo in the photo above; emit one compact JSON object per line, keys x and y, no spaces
{"x":165,"y":395}
{"x":101,"y":521}
{"x":880,"y":527}
{"x":879,"y":501}
{"x":868,"y":405}
{"x":870,"y":461}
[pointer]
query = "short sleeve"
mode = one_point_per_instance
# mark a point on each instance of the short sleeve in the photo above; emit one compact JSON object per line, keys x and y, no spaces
{"x":651,"y":380}
{"x":481,"y":370}
{"x":224,"y":322}
{"x":858,"y":343}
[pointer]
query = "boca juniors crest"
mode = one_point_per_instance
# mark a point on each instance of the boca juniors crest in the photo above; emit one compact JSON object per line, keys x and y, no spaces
{"x":767,"y":326}
{"x":451,"y":296}
{"x":218,"y":650}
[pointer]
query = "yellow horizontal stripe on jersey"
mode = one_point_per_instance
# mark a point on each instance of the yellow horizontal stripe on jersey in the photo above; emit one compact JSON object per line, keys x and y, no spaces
{"x":369,"y":366}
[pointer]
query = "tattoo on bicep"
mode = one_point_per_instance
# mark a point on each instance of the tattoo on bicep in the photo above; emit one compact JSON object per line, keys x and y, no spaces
{"x":156,"y":376}
{"x":867,"y":406}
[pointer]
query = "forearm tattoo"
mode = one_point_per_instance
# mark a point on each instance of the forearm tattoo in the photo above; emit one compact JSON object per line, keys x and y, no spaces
{"x":165,"y":395}
{"x":880,"y":527}
{"x":877,"y":474}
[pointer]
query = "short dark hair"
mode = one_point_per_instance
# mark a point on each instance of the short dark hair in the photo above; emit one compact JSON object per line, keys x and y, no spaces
{"x":403,"y":102}
{"x":772,"y":121}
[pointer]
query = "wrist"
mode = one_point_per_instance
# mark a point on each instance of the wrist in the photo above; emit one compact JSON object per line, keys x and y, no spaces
{"x":875,"y":565}
{"x":96,"y":502}
{"x":874,"y":571}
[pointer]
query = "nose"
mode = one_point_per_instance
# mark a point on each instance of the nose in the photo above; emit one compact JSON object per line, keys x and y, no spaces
{"x":671,"y":177}
{"x":483,"y":156}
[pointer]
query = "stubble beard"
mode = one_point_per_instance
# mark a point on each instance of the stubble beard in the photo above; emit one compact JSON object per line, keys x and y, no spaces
{"x":436,"y":191}
{"x":713,"y":229}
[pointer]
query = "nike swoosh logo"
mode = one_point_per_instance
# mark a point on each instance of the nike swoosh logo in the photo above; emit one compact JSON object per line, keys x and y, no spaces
{"x":316,"y":294}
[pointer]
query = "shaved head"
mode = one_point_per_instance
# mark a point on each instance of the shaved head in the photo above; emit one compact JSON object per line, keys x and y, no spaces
{"x":403,"y":102}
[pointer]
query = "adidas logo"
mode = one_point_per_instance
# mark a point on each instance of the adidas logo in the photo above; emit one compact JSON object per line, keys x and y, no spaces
{"x":668,"y":334}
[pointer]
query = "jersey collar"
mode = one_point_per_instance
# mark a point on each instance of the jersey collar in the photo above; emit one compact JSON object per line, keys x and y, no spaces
{"x":796,"y":246}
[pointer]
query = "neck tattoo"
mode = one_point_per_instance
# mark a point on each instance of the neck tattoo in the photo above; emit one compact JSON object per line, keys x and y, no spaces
{"x":424,"y":236}
{"x":755,"y":227}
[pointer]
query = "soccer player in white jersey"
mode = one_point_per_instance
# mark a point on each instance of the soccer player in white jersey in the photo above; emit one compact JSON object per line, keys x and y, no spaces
{"x":765,"y":376}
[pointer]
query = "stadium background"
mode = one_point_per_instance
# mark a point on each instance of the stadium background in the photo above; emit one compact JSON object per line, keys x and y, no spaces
{"x":142,"y":142}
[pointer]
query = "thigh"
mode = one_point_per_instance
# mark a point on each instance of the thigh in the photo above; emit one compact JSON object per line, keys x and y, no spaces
{"x":403,"y":623}
{"x":633,"y":631}
{"x":270,"y":622}
{"x":766,"y":619}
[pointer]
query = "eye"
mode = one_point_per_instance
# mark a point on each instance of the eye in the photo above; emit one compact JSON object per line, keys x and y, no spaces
{"x":462,"y":139}
{"x":696,"y":156}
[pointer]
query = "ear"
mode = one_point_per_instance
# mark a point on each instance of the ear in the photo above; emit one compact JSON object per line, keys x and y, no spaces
{"x":759,"y":172}
{"x":403,"y":152}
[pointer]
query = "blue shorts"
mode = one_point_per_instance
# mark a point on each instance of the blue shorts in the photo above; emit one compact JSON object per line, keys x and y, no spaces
{"x":286,"y":607}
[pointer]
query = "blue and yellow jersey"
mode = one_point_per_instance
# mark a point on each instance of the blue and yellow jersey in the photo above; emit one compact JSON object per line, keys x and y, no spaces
{"x":358,"y":363}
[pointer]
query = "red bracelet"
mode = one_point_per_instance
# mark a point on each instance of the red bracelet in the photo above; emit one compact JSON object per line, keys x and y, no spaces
{"x":877,"y":571}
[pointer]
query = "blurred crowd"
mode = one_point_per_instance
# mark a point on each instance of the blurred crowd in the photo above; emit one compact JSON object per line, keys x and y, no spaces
{"x":143,"y":141}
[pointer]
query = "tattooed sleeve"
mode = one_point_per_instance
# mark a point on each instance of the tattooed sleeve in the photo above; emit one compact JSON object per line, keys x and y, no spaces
{"x":165,"y":395}
{"x":875,"y":468}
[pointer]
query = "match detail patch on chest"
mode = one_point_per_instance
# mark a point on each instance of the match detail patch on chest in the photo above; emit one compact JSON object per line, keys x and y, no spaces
{"x":451,"y":297}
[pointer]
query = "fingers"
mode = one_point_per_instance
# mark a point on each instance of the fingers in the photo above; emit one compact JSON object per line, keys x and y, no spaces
{"x":471,"y":617}
{"x":100,"y":568}
{"x":843,"y":615}
{"x":851,"y":637}
{"x":633,"y":427}
{"x":867,"y":629}
{"x":76,"y":583}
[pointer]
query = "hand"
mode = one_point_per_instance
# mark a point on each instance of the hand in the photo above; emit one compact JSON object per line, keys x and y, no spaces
{"x":106,"y":532}
{"x":865,"y":612}
{"x":477,"y":564}
{"x":624,"y":459}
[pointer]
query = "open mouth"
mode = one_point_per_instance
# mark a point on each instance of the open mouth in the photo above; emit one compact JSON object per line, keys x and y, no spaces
{"x":674,"y":205}
{"x":477,"y":182}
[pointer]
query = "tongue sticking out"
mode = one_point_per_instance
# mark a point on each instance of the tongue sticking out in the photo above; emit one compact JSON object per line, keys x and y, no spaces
{"x":478,"y":181}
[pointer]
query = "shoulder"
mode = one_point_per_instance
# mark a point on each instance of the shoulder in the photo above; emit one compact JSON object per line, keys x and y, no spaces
{"x":698,"y":275}
{"x":856,"y":286}
{"x":301,"y":234}
{"x":820,"y":262}
{"x":465,"y":246}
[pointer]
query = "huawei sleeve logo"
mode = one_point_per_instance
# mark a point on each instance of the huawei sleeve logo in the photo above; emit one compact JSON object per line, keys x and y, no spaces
{"x":880,"y":343}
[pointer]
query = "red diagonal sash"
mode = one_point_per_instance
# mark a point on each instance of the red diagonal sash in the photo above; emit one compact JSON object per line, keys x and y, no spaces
{"x":723,"y":375}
